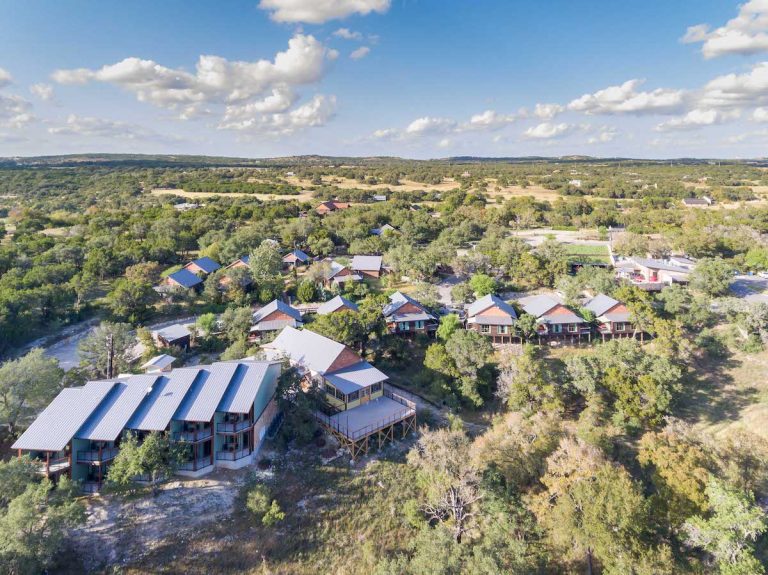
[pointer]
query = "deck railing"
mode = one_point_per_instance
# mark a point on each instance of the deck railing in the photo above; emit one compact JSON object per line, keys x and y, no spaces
{"x":53,"y":465}
{"x":192,"y":436}
{"x":234,"y":427}
{"x":409,"y":409}
{"x":233,"y":455}
{"x":196,"y":465}
{"x":97,"y":455}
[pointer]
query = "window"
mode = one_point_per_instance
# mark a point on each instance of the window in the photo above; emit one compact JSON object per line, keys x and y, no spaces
{"x":485,"y":329}
{"x":557,"y":328}
{"x":503,"y":329}
{"x":354,"y":396}
{"x":329,"y":389}
{"x":375,"y":388}
{"x":403,"y":326}
{"x":619,"y":326}
{"x":420,"y":324}
{"x":573,"y":328}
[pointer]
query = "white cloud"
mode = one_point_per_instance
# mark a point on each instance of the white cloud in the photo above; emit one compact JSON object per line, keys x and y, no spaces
{"x":444,"y":143}
{"x":15,"y":111}
{"x":737,"y":90}
{"x":604,"y":135}
{"x":100,"y":128}
{"x":760,"y":115}
{"x":697,"y":118}
{"x":429,"y":125}
{"x":320,"y":11}
{"x":386,"y":134}
{"x":488,"y":120}
{"x":5,"y":78}
{"x":547,"y":111}
{"x":360,"y":53}
{"x":548,"y":130}
{"x":626,"y":99}
{"x":745,"y":34}
{"x":42,"y":91}
{"x":747,"y":136}
{"x":347,"y":34}
{"x":317,"y":112}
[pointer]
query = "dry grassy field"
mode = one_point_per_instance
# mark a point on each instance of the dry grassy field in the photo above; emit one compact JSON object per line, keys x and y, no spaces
{"x":303,"y":197}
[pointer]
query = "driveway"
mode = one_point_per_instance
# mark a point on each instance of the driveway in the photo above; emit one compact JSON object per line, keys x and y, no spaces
{"x":744,"y":285}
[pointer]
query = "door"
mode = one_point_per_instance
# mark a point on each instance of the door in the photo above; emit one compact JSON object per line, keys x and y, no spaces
{"x":365,"y":395}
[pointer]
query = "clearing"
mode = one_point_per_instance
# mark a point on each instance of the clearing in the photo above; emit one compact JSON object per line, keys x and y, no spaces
{"x":305,"y":196}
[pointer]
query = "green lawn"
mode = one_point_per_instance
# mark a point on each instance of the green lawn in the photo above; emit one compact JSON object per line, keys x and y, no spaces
{"x":588,"y":252}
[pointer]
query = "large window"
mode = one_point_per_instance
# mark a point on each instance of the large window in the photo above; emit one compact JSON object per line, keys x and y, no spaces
{"x":403,"y":326}
{"x":329,"y":389}
{"x":485,"y":329}
{"x":619,"y":326}
{"x":503,"y":329}
{"x":354,"y":396}
{"x":375,"y":388}
{"x":419,"y":324}
{"x":573,"y":328}
{"x":557,"y":328}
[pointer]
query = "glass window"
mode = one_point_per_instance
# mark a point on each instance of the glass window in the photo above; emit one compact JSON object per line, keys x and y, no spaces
{"x":503,"y":329}
{"x":619,"y":326}
{"x":420,"y":324}
{"x":485,"y":329}
{"x":557,"y":328}
{"x":329,"y":389}
{"x":354,"y":396}
{"x":572,"y":327}
{"x":375,"y":388}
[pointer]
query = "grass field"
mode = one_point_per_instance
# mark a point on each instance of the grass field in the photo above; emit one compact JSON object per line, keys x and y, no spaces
{"x":303,"y":197}
{"x":588,"y":252}
{"x":405,"y":185}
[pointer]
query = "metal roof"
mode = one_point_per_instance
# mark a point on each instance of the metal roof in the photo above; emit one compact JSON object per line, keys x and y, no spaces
{"x":275,"y":325}
{"x":204,"y":397}
{"x":398,"y":300}
{"x":333,"y":304}
{"x":185,"y":278}
{"x":273,"y":306}
{"x":660,"y":265}
{"x":488,"y":301}
{"x":600,"y":304}
{"x":539,"y":305}
{"x":623,"y":316}
{"x":159,"y":361}
{"x":366,"y":263}
{"x":173,"y":332}
{"x":298,"y":254}
{"x":109,"y":419}
{"x":354,"y":377}
{"x":65,"y":415}
{"x":334,"y":267}
{"x":422,"y":316}
{"x":491,"y":320}
{"x":169,"y":391}
{"x":307,"y":348}
{"x":244,"y":387}
{"x":347,"y":278}
{"x":206,"y":264}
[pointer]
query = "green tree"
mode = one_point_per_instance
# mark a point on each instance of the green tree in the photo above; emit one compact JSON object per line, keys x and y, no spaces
{"x":345,"y":326}
{"x":523,"y":384}
{"x":462,"y":293}
{"x":449,"y":324}
{"x":131,"y":299}
{"x":712,"y":276}
{"x":206,"y":323}
{"x":526,"y":327}
{"x":109,"y":344}
{"x":236,"y":322}
{"x":307,"y":291}
{"x":482,"y":285}
{"x":156,"y":457}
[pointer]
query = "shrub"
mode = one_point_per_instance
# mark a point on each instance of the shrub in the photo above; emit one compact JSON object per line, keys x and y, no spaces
{"x":260,"y":503}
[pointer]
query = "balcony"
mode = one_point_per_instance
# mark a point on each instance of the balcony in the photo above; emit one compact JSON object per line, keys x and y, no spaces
{"x":196,"y":465}
{"x":97,"y":455}
{"x":192,"y":436}
{"x":53,"y":465}
{"x":235,"y":427}
{"x":233,"y":455}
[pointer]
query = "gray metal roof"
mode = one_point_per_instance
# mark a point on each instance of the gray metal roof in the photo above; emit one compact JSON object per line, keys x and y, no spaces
{"x":275,"y":325}
{"x":169,"y":391}
{"x":491,"y":320}
{"x":204,"y":397}
{"x":617,"y":317}
{"x":355,"y":377}
{"x":159,"y":361}
{"x":244,"y":387}
{"x":488,"y":301}
{"x":660,"y":265}
{"x":403,"y":317}
{"x":185,"y":278}
{"x":334,"y":267}
{"x":273,"y":306}
{"x":600,"y":304}
{"x":332,"y":305}
{"x":307,"y":348}
{"x":173,"y":332}
{"x":347,"y":278}
{"x":108,"y":420}
{"x":366,"y":263}
{"x":206,"y":264}
{"x":539,"y":305}
{"x":65,"y":415}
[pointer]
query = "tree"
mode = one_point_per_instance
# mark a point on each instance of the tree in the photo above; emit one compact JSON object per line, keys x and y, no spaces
{"x":27,"y":385}
{"x":554,"y":260}
{"x":344,"y":326}
{"x":712,"y":276}
{"x":427,"y":294}
{"x":482,"y":285}
{"x":470,"y":353}
{"x":527,"y":327}
{"x":130,"y":299}
{"x":729,"y":530}
{"x":156,"y":457}
{"x":448,"y":326}
{"x":236,"y":322}
{"x":259,"y":501}
{"x":206,"y":323}
{"x":756,"y":259}
{"x":307,"y":291}
{"x":523,"y":384}
{"x":107,"y":350}
{"x":462,"y":293}
{"x":266,"y":264}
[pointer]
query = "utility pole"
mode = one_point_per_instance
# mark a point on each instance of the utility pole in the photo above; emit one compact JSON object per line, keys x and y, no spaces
{"x":110,"y":355}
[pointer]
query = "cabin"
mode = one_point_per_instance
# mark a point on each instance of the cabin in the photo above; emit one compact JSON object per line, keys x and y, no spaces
{"x":331,"y":206}
{"x":202,"y":266}
{"x":555,"y":321}
{"x":359,"y":410}
{"x":406,"y":316}
{"x":219,"y":412}
{"x":367,"y":266}
{"x":175,"y":335}
{"x":383,"y":230}
{"x":272,"y":318}
{"x":613,"y":317}
{"x":241,"y":262}
{"x":492,"y":317}
{"x":159,"y":364}
{"x":337,"y":304}
{"x":338,"y":274}
{"x":296,"y":258}
{"x":184,"y":279}
{"x":701,"y":202}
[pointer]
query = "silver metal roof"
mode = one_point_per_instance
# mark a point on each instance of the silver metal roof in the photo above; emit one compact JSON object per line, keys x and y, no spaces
{"x":402,"y":317}
{"x":204,"y":397}
{"x":355,"y":377}
{"x":173,"y":332}
{"x":366,"y":263}
{"x":109,"y":419}
{"x":275,"y":325}
{"x":600,"y":304}
{"x":488,"y":301}
{"x":273,"y":306}
{"x":307,"y":348}
{"x":169,"y":391}
{"x":159,"y":361}
{"x":539,"y":305}
{"x":332,"y":305}
{"x":57,"y":424}
{"x":244,"y":387}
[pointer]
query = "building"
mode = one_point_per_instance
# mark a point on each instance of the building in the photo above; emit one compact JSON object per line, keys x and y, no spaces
{"x":379,"y":198}
{"x":701,"y":202}
{"x":338,"y":274}
{"x":359,"y":409}
{"x":175,"y":335}
{"x":404,"y":315}
{"x":383,"y":230}
{"x":367,"y":266}
{"x":554,"y":319}
{"x":491,"y":316}
{"x":220,"y":412}
{"x":183,"y":279}
{"x":241,"y":262}
{"x":652,"y":274}
{"x":331,"y":206}
{"x":296,"y":258}
{"x":273,"y":317}
{"x":202,"y":266}
{"x":339,"y":303}
{"x":159,"y":364}
{"x":613,"y":317}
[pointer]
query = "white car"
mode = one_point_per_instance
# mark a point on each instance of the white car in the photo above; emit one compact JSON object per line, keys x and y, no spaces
{"x":763,"y":275}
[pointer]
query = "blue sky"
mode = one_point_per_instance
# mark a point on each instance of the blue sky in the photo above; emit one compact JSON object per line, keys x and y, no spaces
{"x":412,"y":78}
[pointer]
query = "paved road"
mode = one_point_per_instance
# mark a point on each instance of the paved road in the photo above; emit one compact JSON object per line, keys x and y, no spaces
{"x":744,"y":285}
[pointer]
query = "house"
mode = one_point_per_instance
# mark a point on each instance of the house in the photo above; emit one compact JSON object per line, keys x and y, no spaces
{"x":339,"y":303}
{"x":379,"y":198}
{"x":202,"y":266}
{"x":383,"y":230}
{"x":296,"y":258}
{"x":612,"y":316}
{"x":360,"y":409}
{"x":183,"y":279}
{"x":159,"y":364}
{"x":652,"y":274}
{"x":331,"y":206}
{"x":186,"y":206}
{"x":554,"y":319}
{"x":368,"y":266}
{"x":491,"y":316}
{"x":701,"y":202}
{"x":272,"y":318}
{"x":241,"y":262}
{"x":405,"y":315}
{"x":175,"y":335}
{"x":337,"y":274}
{"x":220,"y":413}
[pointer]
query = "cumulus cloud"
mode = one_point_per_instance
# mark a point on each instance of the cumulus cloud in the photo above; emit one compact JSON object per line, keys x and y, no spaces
{"x":744,"y":34}
{"x":429,"y":125}
{"x":604,"y":135}
{"x":5,"y":78}
{"x":317,"y":112}
{"x":760,"y":115}
{"x":489,"y":120}
{"x":547,"y":111}
{"x":548,"y":131}
{"x":320,"y":11}
{"x":347,"y":34}
{"x":360,"y":53}
{"x":102,"y":128}
{"x":697,"y":118}
{"x":15,"y":111}
{"x":42,"y":91}
{"x":626,"y":99}
{"x":737,"y":90}
{"x":386,"y":134}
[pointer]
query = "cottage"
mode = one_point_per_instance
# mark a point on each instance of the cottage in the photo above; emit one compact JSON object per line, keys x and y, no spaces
{"x":405,"y":315}
{"x":612,"y":316}
{"x":337,"y":274}
{"x":202,"y":266}
{"x":296,"y":258}
{"x":183,"y":279}
{"x":241,"y":262}
{"x":555,"y":320}
{"x":272,"y":318}
{"x":330,"y":206}
{"x":383,"y":230}
{"x":175,"y":335}
{"x":492,"y":317}
{"x":159,"y":364}
{"x":220,"y":412}
{"x":368,"y":266}
{"x":339,"y":303}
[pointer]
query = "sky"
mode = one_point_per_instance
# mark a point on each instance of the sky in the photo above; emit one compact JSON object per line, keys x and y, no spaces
{"x":408,"y":78}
